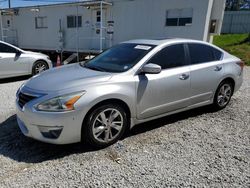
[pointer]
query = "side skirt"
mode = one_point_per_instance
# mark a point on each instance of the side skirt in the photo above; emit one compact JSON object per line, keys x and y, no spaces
{"x":135,"y":121}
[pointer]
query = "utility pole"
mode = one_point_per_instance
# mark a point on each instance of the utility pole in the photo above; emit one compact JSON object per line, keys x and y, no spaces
{"x":9,"y":4}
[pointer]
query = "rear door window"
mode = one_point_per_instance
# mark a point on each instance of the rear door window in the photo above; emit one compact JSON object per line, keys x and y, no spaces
{"x":170,"y":57}
{"x":200,"y":53}
{"x":217,"y":54}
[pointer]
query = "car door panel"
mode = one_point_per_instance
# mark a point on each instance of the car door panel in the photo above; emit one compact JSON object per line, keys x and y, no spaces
{"x":12,"y":64}
{"x":6,"y":64}
{"x":162,"y":93}
{"x":169,"y":90}
{"x":206,"y":71}
{"x":13,"y":61}
{"x":204,"y":80}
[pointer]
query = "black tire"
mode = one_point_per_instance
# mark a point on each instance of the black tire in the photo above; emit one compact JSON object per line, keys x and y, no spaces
{"x":91,"y":123}
{"x":221,"y":100}
{"x":39,"y":67}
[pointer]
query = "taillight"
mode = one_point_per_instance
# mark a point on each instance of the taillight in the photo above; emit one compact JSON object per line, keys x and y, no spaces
{"x":241,"y":64}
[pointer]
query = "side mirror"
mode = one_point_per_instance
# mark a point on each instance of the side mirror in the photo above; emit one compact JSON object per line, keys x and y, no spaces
{"x":151,"y":69}
{"x":18,"y":53}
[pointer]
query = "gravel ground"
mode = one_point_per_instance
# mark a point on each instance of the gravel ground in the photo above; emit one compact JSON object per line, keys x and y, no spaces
{"x":198,"y":148}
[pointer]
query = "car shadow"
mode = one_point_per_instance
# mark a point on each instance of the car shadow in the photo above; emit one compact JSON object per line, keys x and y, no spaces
{"x":14,"y":79}
{"x":167,"y":120}
{"x":14,"y":145}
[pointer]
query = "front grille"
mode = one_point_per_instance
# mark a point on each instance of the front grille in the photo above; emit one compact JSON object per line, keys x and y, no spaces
{"x":24,"y":99}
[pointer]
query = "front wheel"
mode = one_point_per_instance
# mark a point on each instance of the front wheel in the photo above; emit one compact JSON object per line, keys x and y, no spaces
{"x":105,"y":125}
{"x":39,"y":67}
{"x":223,"y":95}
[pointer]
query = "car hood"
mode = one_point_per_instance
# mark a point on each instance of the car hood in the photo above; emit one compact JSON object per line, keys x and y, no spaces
{"x":34,"y":53}
{"x":66,"y":77}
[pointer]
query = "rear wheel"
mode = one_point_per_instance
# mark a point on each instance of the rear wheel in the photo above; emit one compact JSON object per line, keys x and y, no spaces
{"x":223,"y":95}
{"x":39,"y":67}
{"x":105,"y":125}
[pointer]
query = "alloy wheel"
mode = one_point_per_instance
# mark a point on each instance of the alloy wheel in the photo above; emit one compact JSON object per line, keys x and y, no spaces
{"x":224,"y":95}
{"x":107,"y":125}
{"x":40,"y":67}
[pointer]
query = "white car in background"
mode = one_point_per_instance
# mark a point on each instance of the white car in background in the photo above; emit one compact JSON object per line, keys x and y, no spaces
{"x":17,"y":62}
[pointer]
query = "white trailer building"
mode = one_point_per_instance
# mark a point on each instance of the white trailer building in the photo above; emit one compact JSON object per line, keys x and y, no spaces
{"x":91,"y":26}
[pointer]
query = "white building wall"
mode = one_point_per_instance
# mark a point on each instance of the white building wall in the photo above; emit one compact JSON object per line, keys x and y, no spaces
{"x":217,"y":14}
{"x":133,"y":19}
{"x":48,"y":38}
{"x":146,"y":19}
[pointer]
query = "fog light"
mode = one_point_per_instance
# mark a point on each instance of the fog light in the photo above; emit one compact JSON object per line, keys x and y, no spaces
{"x":51,"y":132}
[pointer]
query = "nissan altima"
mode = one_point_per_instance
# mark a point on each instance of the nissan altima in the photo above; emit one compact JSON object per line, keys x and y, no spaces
{"x":17,"y":62}
{"x":131,"y":83}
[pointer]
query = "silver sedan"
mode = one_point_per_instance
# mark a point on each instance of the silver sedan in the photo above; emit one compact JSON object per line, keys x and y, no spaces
{"x":131,"y":83}
{"x":17,"y":62}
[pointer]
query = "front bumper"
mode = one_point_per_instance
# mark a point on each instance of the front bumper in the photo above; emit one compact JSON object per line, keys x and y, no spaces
{"x":54,"y":128}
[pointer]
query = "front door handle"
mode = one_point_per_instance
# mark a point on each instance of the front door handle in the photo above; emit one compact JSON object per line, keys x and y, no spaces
{"x":184,"y":77}
{"x":218,"y":68}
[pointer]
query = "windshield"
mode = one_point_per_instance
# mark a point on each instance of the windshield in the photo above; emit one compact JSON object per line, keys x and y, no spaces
{"x":119,"y":58}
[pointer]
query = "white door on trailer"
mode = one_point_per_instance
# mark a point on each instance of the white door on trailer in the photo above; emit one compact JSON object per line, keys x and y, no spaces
{"x":96,"y":30}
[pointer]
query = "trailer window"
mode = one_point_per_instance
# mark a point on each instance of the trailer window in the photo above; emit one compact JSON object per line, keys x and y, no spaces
{"x":74,"y":21}
{"x":41,"y":22}
{"x":179,"y":17}
{"x":98,"y":16}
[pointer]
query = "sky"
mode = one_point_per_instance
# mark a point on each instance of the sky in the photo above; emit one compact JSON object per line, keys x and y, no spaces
{"x":23,"y":3}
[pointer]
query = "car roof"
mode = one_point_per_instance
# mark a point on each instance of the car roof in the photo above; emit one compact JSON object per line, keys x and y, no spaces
{"x":161,"y":41}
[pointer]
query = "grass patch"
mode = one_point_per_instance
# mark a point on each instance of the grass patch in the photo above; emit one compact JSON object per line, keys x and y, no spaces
{"x":235,"y":44}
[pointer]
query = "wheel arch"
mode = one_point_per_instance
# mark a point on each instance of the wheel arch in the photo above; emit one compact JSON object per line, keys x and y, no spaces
{"x":36,"y":61}
{"x":120,"y":102}
{"x":230,"y":79}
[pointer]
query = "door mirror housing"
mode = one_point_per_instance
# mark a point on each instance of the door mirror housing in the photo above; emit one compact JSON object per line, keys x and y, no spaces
{"x":18,"y":53}
{"x":151,"y":69}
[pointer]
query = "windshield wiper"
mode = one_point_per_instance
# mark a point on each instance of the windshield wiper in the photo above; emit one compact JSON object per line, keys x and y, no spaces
{"x":94,"y":68}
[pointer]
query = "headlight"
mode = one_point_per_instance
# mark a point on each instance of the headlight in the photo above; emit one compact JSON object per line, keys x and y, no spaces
{"x":61,"y":103}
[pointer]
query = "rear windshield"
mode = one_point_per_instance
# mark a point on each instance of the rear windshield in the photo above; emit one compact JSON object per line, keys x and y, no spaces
{"x":119,"y":58}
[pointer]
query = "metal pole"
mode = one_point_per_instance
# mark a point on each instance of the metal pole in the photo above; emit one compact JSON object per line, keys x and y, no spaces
{"x":9,"y":4}
{"x":1,"y":25}
{"x":61,"y":40}
{"x":61,"y":54}
{"x":101,"y":27}
{"x":77,"y":33}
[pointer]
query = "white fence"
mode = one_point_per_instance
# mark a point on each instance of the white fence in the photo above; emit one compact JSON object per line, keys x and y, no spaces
{"x":236,"y":22}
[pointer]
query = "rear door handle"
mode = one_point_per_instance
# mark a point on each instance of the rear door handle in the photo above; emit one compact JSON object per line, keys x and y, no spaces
{"x":218,"y":68}
{"x":184,"y":77}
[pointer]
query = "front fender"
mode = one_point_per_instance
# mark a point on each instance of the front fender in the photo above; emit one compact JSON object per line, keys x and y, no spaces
{"x":97,"y":94}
